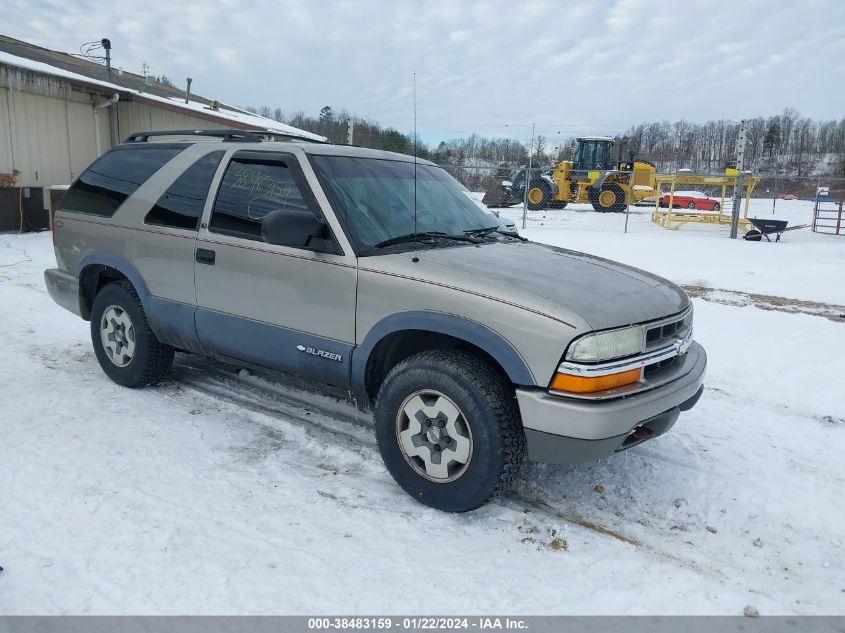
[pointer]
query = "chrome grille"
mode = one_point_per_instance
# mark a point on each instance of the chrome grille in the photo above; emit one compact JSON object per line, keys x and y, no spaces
{"x":666,"y":332}
{"x":650,"y":369}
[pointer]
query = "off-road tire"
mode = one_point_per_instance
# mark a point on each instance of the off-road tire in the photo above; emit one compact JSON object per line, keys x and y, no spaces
{"x":151,"y":360}
{"x":618,"y":205}
{"x":547,"y":195}
{"x":488,"y":404}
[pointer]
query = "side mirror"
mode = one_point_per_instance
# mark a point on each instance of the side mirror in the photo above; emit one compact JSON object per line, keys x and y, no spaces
{"x":295,"y":228}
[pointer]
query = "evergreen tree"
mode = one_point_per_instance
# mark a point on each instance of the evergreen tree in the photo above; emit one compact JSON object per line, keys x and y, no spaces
{"x":772,"y":139}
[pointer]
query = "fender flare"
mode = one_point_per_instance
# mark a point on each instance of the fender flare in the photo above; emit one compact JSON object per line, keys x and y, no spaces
{"x":552,"y":184}
{"x":460,"y":327}
{"x":104,"y":258}
{"x":171,"y":321}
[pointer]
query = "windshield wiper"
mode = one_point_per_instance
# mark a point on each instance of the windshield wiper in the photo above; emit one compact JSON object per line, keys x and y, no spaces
{"x":432,"y":235}
{"x":485,"y":231}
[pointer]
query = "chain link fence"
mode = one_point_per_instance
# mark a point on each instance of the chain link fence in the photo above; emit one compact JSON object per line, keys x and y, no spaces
{"x":812,"y":208}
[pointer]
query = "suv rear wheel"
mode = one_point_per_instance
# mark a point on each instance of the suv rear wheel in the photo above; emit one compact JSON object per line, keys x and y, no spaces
{"x":448,"y":429}
{"x":126,"y":348}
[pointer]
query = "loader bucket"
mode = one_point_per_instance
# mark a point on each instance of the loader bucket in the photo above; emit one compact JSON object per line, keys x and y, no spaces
{"x":496,"y":196}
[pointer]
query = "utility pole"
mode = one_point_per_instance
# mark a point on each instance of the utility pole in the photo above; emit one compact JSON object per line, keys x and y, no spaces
{"x":349,"y":130}
{"x":527,"y":179}
{"x":112,"y":107}
{"x":740,"y":166}
{"x":107,"y":45}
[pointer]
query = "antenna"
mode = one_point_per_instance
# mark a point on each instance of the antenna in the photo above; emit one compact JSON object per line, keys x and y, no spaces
{"x":415,"y":258}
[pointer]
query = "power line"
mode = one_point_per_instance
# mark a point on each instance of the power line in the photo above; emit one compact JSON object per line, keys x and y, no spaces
{"x":87,"y":50}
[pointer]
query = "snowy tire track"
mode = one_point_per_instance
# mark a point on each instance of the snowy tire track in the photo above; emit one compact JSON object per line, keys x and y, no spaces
{"x":738,"y":298}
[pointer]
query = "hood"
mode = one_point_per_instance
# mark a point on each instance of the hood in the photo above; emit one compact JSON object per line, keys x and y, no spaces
{"x":556,"y":281}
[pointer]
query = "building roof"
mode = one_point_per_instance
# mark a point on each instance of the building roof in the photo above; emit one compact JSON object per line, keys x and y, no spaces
{"x":25,"y":57}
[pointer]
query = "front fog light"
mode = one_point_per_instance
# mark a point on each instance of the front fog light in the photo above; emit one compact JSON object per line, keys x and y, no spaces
{"x":607,"y":345}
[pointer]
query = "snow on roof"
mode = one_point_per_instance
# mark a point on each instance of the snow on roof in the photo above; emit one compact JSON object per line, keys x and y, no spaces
{"x":224,"y":114}
{"x":595,"y":138}
{"x":232,"y":114}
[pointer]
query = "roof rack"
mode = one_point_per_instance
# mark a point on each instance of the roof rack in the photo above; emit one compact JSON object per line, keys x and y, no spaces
{"x":234,"y":136}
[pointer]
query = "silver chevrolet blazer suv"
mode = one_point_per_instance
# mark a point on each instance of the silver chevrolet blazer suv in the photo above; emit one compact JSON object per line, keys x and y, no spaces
{"x":378,"y":275}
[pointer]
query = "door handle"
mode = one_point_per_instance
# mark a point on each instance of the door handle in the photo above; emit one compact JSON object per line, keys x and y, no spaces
{"x":205,"y":256}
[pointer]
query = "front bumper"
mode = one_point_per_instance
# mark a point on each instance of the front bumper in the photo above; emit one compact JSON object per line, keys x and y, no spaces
{"x":571,"y":430}
{"x":64,"y":289}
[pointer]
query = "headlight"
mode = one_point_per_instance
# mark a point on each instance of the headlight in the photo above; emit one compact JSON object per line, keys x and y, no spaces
{"x":607,"y":345}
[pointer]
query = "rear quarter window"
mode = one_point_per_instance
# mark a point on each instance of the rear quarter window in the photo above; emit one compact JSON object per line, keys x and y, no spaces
{"x":182,"y":204}
{"x":113,"y":177}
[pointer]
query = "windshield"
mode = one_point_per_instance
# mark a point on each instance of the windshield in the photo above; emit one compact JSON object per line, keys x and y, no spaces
{"x":374,"y":199}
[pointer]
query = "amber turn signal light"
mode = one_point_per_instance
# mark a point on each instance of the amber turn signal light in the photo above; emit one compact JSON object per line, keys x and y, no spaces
{"x":582,"y":384}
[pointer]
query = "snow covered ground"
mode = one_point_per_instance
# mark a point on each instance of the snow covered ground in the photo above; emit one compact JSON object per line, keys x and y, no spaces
{"x":799,"y":267}
{"x":797,"y":270}
{"x":638,"y":219}
{"x":222,"y":491}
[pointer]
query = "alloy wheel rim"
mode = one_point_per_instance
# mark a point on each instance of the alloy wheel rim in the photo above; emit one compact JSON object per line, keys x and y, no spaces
{"x":434,"y":436}
{"x":117,"y":334}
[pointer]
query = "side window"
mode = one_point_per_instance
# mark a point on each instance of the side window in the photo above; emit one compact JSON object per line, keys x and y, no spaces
{"x":113,"y":177}
{"x":251,"y":189}
{"x":181,"y":205}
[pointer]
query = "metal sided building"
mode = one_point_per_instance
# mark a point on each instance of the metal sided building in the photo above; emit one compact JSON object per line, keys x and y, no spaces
{"x":55,"y":120}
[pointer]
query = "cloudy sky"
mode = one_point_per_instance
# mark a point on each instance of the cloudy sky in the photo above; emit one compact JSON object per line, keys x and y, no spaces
{"x":487,"y":67}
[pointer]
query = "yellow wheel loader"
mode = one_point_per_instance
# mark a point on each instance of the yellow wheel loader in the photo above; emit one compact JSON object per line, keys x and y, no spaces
{"x":591,"y":177}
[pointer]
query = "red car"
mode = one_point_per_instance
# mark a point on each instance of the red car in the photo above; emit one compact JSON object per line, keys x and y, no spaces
{"x":693,"y":200}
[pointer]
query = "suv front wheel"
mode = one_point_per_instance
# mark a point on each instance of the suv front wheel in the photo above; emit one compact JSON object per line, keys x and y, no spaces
{"x":448,"y":429}
{"x":126,"y":348}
